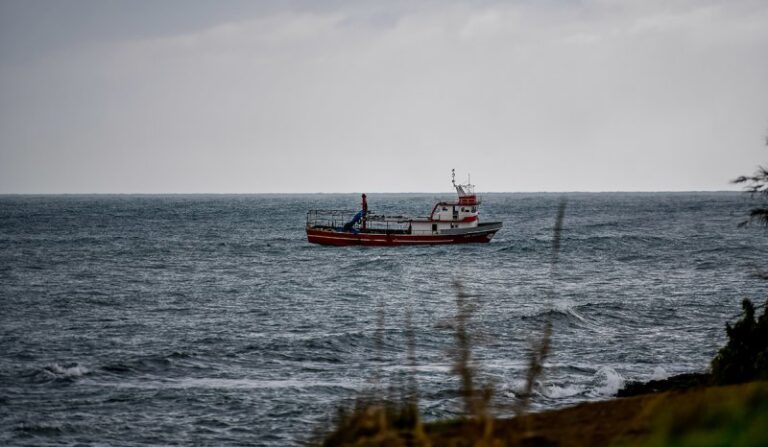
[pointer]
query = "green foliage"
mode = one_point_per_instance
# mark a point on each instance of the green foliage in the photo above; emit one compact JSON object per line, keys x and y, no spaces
{"x":738,"y":419}
{"x":745,"y":356}
{"x":756,"y":185}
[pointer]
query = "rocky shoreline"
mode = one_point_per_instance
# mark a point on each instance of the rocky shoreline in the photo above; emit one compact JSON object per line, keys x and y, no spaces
{"x":679,"y":382}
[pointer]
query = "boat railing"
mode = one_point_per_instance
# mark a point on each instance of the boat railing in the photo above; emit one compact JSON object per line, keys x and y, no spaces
{"x":374,"y":222}
{"x":329,"y":218}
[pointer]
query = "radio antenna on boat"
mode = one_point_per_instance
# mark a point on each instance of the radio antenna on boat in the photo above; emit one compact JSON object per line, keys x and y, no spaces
{"x":459,"y":188}
{"x":467,"y":189}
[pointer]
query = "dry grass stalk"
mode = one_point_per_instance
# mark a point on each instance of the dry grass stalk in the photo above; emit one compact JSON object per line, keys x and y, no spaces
{"x":476,"y":401}
{"x":410,"y":342}
{"x":463,"y":352}
{"x":378,"y":344}
{"x":540,"y":348}
{"x":411,"y":400}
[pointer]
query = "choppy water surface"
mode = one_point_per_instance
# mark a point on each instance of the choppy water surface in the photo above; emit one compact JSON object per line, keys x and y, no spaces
{"x":210,"y":320}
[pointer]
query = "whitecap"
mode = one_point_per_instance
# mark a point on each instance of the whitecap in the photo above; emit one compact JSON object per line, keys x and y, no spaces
{"x":68,"y":370}
{"x":518,"y":385}
{"x":610,"y":381}
{"x":559,"y":392}
{"x":425,"y":368}
{"x":659,"y":373}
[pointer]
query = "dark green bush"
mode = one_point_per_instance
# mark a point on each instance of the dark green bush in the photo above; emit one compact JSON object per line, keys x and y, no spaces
{"x":745,"y":356}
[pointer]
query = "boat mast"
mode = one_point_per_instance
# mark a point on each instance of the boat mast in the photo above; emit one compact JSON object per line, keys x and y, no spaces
{"x":459,"y":188}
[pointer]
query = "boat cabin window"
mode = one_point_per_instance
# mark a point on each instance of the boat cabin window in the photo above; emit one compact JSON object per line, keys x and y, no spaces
{"x":434,"y":227}
{"x":445,"y":208}
{"x":474,"y":209}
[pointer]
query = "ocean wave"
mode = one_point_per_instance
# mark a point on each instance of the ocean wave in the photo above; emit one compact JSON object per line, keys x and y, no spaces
{"x":566,"y":312}
{"x":659,"y":373}
{"x":443,"y":368}
{"x":233,"y":383}
{"x":520,"y":247}
{"x":328,"y":348}
{"x":559,"y":392}
{"x":49,"y":429}
{"x":58,"y":371}
{"x":607,"y":382}
{"x":141,"y":365}
{"x":173,"y":362}
{"x":68,"y":370}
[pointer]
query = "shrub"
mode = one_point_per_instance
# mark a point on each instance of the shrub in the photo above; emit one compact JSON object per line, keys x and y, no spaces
{"x":745,"y":356}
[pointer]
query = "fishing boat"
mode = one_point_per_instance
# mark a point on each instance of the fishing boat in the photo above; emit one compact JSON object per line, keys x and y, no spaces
{"x":456,"y":222}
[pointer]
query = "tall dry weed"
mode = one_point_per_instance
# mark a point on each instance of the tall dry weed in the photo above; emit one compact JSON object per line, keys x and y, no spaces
{"x":540,"y":348}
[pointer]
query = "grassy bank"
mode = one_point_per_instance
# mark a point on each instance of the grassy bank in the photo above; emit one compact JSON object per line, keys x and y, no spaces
{"x":734,"y":415}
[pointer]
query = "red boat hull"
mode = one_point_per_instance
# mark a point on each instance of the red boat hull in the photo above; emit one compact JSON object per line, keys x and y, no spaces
{"x":339,"y":238}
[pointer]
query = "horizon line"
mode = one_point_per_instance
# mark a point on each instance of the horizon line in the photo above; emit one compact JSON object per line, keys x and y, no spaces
{"x":616,"y":191}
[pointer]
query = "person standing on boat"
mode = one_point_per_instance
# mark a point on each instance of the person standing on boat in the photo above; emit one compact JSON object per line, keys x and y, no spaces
{"x":365,"y":212}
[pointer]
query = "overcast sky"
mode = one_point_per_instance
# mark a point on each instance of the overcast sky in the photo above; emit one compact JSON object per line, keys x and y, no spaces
{"x":177,"y":96}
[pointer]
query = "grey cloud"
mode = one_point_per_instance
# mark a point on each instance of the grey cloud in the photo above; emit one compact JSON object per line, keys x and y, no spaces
{"x":592,"y":95}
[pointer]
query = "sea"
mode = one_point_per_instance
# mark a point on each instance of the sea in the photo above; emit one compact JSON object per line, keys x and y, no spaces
{"x":131,"y":320}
